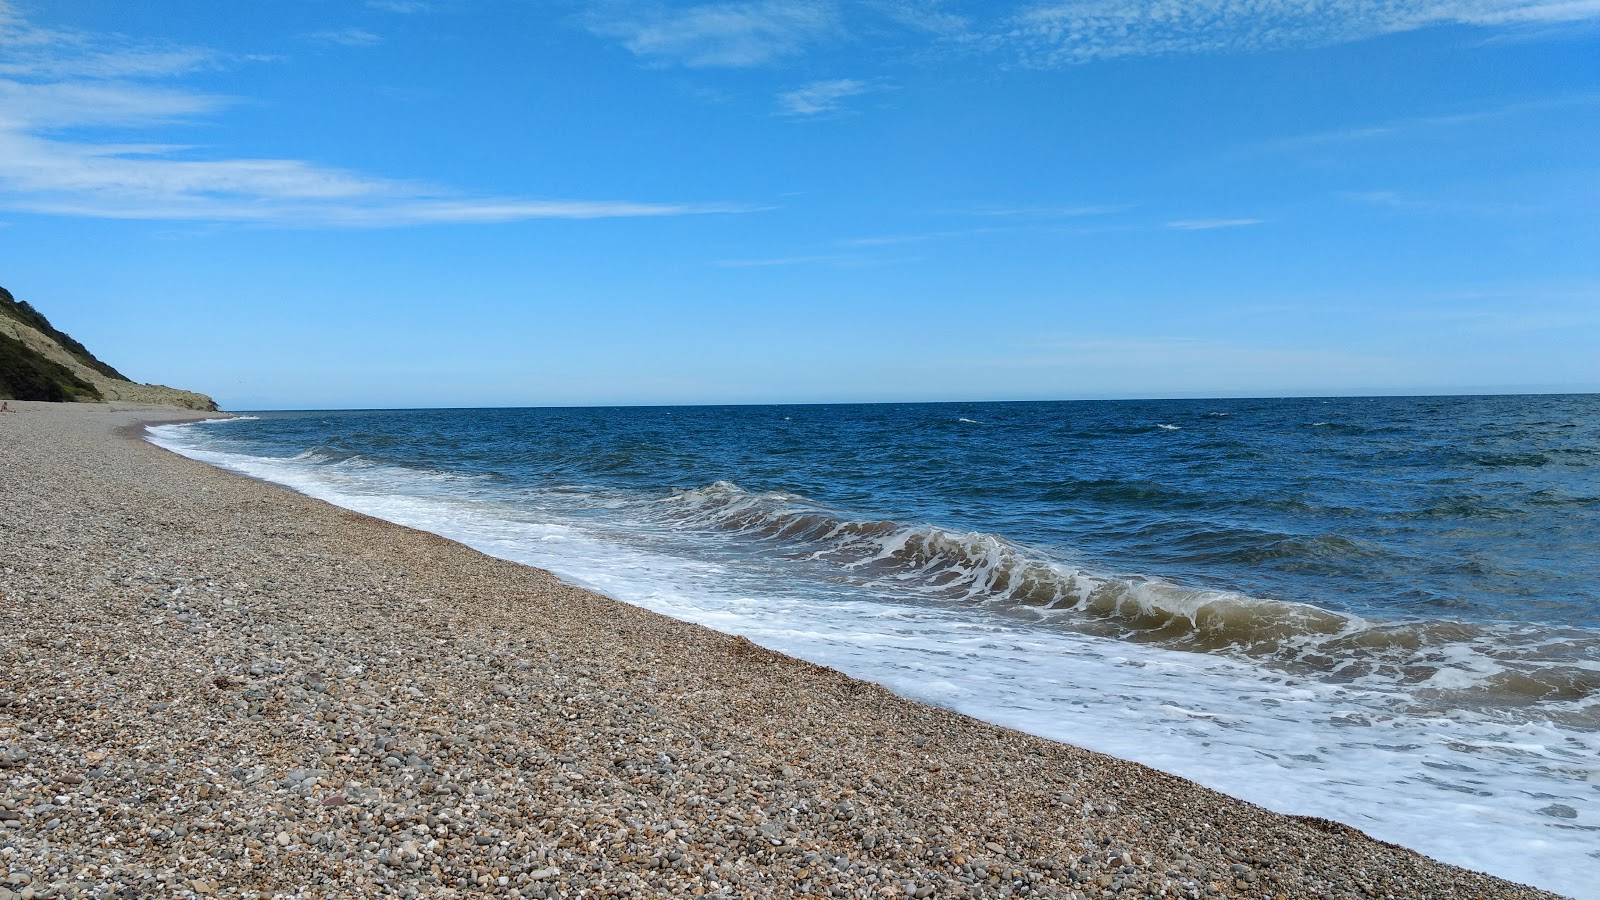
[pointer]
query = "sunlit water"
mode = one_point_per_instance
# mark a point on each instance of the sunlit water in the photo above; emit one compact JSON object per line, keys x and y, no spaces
{"x":1384,"y":611}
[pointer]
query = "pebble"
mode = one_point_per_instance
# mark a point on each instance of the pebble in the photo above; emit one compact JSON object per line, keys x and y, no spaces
{"x":216,"y":686}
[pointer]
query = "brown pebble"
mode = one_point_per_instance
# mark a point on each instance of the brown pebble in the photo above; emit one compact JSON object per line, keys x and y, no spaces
{"x":288,"y":644}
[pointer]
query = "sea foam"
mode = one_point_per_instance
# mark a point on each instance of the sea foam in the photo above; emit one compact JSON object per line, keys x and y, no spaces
{"x":895,"y":603}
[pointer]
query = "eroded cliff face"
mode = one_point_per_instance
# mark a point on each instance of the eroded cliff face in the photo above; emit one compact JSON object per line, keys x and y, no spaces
{"x":110,"y":388}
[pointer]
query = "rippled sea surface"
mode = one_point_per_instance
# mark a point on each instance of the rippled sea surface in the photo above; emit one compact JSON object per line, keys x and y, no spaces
{"x":1380,"y":610}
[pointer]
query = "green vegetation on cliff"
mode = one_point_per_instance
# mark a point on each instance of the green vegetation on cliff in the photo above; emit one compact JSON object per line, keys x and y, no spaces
{"x":40,"y":362}
{"x":27,"y":315}
{"x":27,"y":375}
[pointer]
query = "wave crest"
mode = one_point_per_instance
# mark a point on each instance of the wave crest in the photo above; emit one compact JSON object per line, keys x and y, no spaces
{"x":1447,"y":660}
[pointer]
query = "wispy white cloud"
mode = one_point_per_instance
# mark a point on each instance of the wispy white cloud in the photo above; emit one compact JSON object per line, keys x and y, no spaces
{"x":1500,"y":12}
{"x":1401,"y":202}
{"x":54,"y":81}
{"x":117,"y":103}
{"x":733,"y":35}
{"x":153,"y":182}
{"x":67,"y":61}
{"x":1392,"y":200}
{"x":1062,"y":33}
{"x":1044,"y":33}
{"x":820,"y":97}
{"x":931,"y":16}
{"x":1423,"y":124}
{"x":751,"y":33}
{"x":1542,"y":32}
{"x":1210,"y":224}
{"x":346,"y":37}
{"x":28,"y":51}
{"x":123,"y":181}
{"x":1046,"y":220}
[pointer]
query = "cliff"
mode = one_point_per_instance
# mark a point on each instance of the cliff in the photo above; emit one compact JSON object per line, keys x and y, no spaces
{"x":40,"y":362}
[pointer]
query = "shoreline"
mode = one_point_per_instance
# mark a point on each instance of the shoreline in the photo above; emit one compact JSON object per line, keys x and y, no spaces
{"x":319,"y":698}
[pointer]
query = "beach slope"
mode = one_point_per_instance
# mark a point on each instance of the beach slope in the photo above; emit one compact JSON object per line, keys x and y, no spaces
{"x":213,"y":686}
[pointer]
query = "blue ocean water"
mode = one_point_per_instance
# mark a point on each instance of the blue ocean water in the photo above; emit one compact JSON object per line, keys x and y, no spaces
{"x":1380,"y":610}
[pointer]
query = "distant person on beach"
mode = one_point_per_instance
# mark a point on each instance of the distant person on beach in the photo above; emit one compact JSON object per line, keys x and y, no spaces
{"x":5,"y":407}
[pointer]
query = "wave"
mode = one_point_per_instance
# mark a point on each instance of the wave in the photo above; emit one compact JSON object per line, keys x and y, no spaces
{"x":1460,"y":507}
{"x":1354,"y":430}
{"x":1273,"y":546}
{"x":325,"y":455}
{"x":1383,"y":724}
{"x":320,"y":462}
{"x":1508,"y":460}
{"x":1455,"y":663}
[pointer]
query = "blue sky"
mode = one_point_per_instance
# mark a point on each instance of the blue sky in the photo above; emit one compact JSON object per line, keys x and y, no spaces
{"x":329,"y":203}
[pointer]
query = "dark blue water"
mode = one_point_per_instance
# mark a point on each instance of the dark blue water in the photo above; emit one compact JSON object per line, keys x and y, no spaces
{"x":1380,"y":610}
{"x":1471,"y":508}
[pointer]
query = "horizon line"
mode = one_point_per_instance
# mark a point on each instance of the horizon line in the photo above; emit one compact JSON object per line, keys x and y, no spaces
{"x":1477,"y":392}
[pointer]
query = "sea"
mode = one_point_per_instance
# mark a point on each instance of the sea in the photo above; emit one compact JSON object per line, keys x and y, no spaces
{"x":1379,"y":610}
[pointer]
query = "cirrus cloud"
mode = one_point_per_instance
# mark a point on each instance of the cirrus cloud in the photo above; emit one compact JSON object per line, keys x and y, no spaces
{"x":734,"y":35}
{"x":1211,"y":224}
{"x":58,"y":86}
{"x":1053,"y":32}
{"x":1040,"y":33}
{"x":820,"y":97}
{"x":346,"y":37}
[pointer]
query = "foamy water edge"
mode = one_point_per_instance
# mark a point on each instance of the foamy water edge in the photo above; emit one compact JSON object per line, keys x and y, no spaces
{"x":1447,"y":785}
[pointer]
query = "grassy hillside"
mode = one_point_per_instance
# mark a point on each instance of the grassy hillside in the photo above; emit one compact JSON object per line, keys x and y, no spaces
{"x":40,"y":362}
{"x":27,"y":315}
{"x":26,"y":375}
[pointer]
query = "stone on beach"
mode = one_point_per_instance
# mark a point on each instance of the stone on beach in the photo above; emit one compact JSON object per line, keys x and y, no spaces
{"x":210,"y":686}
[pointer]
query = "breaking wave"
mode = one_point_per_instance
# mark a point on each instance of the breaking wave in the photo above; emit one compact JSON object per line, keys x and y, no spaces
{"x":1449,"y":663}
{"x":1439,"y":688}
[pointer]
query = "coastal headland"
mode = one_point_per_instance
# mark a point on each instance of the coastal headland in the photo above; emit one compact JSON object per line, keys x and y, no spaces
{"x":211,"y":686}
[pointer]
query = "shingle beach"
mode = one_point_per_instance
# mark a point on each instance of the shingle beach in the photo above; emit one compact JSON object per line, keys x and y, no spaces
{"x":212,"y":686}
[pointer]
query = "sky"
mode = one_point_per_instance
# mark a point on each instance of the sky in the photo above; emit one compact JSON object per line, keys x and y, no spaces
{"x":439,"y":203}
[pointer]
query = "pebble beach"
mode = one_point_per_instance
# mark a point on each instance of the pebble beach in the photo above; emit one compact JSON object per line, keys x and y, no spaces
{"x":212,"y":686}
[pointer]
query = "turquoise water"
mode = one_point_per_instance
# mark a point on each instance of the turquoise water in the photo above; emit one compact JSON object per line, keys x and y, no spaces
{"x":1384,"y":610}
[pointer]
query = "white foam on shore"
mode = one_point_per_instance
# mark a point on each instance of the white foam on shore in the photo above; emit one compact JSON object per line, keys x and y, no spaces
{"x":1450,"y":784}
